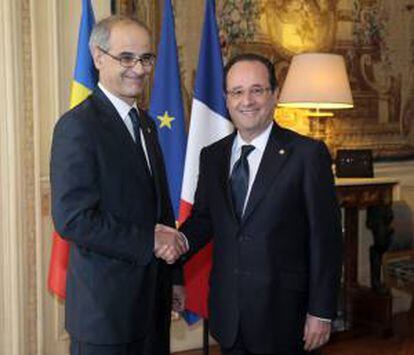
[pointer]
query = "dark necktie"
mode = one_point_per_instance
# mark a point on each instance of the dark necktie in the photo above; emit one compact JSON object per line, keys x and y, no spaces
{"x":239,"y":180}
{"x":136,"y":124}
{"x":133,"y":114}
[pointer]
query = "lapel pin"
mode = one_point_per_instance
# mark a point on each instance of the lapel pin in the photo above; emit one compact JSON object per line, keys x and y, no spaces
{"x":281,"y":151}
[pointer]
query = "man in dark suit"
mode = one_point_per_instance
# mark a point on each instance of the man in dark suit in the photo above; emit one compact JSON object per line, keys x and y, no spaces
{"x":109,"y":191}
{"x":266,"y":195}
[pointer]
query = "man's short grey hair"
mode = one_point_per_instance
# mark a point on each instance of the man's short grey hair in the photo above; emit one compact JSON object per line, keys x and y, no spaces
{"x":102,"y":30}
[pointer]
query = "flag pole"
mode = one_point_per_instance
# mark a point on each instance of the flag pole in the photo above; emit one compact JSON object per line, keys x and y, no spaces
{"x":205,"y":336}
{"x":113,"y":7}
{"x":84,"y":81}
{"x":209,"y":123}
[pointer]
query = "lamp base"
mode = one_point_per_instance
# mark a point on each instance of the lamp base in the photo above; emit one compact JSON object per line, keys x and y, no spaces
{"x":318,"y":129}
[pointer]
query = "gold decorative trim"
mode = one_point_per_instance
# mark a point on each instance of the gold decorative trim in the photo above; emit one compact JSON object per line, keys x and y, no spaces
{"x":15,"y":179}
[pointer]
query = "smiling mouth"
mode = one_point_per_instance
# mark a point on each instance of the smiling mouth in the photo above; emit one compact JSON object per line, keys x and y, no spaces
{"x":244,"y":112}
{"x":136,"y":80}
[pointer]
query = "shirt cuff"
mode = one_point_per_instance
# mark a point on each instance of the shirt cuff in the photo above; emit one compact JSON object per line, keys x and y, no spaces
{"x":326,"y":320}
{"x":185,"y":240}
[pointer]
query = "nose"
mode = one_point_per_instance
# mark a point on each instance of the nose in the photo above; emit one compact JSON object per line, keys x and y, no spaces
{"x":247,"y":98}
{"x":138,"y":68}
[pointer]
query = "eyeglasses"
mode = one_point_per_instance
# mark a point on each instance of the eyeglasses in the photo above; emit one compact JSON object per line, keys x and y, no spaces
{"x":128,"y":60}
{"x":256,"y":92}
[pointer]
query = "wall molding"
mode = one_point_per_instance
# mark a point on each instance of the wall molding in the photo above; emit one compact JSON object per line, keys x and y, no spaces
{"x":45,"y":101}
{"x":13,"y":202}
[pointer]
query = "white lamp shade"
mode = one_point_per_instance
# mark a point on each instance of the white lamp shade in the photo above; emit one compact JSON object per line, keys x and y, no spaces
{"x":318,"y":81}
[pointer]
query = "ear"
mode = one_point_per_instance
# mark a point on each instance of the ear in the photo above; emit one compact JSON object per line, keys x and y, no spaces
{"x":97,"y":56}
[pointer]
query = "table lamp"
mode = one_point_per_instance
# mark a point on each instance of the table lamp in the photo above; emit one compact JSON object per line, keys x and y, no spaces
{"x":317,"y":81}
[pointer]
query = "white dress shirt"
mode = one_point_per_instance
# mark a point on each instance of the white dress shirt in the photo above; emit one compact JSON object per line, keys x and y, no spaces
{"x":123,"y":110}
{"x":254,"y":158}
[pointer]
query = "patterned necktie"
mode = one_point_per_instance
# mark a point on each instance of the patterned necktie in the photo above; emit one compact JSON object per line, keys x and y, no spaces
{"x":239,"y":180}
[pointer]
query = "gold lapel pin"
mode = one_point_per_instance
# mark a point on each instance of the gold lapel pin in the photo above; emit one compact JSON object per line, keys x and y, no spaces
{"x":281,"y":151}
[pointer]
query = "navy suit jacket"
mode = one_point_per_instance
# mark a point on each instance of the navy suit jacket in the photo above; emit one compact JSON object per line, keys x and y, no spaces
{"x":284,"y":258}
{"x":106,"y":203}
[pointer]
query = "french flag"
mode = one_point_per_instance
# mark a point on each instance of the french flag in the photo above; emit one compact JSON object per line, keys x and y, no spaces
{"x":209,"y":123}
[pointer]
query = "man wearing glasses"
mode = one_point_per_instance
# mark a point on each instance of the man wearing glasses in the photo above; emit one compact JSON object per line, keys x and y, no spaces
{"x":266,"y":196}
{"x":109,"y":191}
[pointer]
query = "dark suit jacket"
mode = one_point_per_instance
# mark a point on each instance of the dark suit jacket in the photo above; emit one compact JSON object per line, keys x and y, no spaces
{"x":284,"y":258}
{"x":106,"y":203}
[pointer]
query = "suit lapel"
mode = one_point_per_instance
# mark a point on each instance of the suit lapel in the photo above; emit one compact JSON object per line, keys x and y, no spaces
{"x":276,"y":153}
{"x":223,"y":168}
{"x":112,"y":121}
{"x":154,"y":156}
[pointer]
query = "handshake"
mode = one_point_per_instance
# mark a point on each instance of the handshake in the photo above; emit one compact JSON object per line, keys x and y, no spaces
{"x":169,"y":243}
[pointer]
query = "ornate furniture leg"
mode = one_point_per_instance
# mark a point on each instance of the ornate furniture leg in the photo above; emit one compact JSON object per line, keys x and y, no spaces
{"x":366,"y":307}
{"x":379,"y":220}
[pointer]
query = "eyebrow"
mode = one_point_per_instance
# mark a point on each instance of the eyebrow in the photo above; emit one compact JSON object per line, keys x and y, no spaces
{"x":257,"y":85}
{"x":252,"y":86}
{"x":236,"y":87}
{"x":131,"y":54}
{"x":127,"y":54}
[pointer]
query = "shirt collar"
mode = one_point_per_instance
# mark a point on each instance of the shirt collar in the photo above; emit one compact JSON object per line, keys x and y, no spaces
{"x":120,"y":105}
{"x":259,"y":142}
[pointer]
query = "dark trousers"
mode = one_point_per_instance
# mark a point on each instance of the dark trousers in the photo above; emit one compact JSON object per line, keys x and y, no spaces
{"x":239,"y":349}
{"x":235,"y":351}
{"x":81,"y":348}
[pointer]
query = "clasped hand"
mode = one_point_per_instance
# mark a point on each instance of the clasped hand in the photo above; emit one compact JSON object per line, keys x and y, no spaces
{"x":169,"y":244}
{"x":316,"y":332}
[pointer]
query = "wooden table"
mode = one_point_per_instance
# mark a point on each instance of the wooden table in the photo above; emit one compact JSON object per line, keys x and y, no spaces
{"x":367,"y":306}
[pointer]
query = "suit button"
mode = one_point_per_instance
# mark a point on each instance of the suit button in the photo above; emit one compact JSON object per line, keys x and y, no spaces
{"x":236,"y":271}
